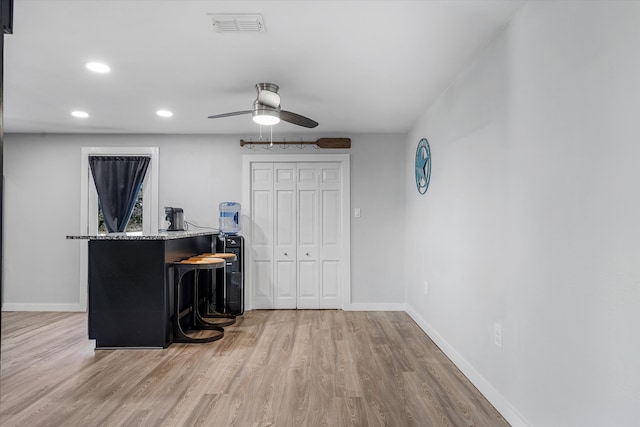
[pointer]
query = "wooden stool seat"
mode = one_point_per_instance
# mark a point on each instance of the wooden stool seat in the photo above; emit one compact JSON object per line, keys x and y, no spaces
{"x":223,"y":255}
{"x":201,"y":260}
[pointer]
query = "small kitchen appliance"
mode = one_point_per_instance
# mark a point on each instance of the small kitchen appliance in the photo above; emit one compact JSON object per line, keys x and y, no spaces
{"x":175,"y":217}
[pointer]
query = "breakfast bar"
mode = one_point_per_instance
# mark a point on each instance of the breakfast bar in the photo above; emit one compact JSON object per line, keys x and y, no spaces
{"x":131,"y":285}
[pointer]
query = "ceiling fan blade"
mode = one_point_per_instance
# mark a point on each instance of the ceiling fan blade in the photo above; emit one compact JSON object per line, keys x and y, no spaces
{"x":297,"y":119}
{"x":235,"y":113}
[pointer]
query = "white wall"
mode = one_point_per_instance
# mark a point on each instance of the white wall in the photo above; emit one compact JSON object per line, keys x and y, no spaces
{"x":42,"y":207}
{"x":531,"y":219}
{"x":377,"y":246}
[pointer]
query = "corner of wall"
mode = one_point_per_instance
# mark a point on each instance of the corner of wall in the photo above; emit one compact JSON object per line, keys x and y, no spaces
{"x":490,"y":393}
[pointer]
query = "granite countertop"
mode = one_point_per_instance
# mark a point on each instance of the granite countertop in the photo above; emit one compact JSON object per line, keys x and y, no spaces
{"x":162,"y":235}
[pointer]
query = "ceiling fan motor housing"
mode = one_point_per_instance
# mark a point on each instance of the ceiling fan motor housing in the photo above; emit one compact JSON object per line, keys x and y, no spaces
{"x":268,"y":95}
{"x":266,"y":107}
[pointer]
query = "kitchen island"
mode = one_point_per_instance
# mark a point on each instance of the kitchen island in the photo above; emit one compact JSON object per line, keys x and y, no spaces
{"x":131,"y":285}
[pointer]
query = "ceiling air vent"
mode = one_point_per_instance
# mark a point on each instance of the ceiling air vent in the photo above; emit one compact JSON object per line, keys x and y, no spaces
{"x":238,"y":22}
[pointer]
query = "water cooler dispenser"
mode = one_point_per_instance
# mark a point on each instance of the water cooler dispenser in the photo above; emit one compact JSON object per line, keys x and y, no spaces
{"x":229,"y":217}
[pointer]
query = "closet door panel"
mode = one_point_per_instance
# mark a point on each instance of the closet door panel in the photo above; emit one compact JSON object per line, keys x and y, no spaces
{"x":329,"y":247}
{"x":308,"y":284}
{"x":308,"y":226}
{"x":285,"y":235}
{"x":307,"y":218}
{"x":330,"y":284}
{"x":261,"y":237}
{"x":286,"y":285}
{"x":262,"y":285}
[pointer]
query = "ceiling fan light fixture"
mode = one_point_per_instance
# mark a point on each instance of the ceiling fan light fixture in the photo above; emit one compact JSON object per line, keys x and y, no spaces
{"x":266,"y":117}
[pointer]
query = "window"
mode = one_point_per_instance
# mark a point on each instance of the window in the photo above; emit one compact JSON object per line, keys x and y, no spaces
{"x":89,"y":197}
{"x":135,"y":222}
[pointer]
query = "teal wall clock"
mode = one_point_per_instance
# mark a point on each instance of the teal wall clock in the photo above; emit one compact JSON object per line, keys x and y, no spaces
{"x":423,"y":166}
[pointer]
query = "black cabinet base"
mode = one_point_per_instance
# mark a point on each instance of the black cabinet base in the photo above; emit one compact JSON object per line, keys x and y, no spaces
{"x":131,"y":290}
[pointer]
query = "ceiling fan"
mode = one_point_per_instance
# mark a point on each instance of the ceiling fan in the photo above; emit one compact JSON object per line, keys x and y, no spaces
{"x":266,"y":109}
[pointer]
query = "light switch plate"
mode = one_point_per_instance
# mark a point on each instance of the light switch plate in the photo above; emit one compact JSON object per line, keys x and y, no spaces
{"x":356,"y":212}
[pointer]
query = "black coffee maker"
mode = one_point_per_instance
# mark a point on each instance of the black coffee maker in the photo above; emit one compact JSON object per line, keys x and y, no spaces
{"x":175,"y":216}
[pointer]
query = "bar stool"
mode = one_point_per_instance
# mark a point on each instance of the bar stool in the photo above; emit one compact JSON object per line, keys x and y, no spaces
{"x":223,"y":319}
{"x":214,"y":314}
{"x":183,"y":267}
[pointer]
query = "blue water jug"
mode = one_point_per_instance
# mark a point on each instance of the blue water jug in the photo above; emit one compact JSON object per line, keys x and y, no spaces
{"x":229,"y":217}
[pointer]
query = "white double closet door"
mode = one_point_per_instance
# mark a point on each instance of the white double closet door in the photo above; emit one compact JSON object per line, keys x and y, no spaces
{"x":296,"y":240}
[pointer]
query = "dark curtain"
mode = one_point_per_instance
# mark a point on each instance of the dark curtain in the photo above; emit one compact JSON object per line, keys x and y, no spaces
{"x":118,"y":180}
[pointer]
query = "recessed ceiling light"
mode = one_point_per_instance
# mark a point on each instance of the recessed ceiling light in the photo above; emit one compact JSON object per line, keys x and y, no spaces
{"x":98,"y":67}
{"x":164,"y":113}
{"x":80,"y":114}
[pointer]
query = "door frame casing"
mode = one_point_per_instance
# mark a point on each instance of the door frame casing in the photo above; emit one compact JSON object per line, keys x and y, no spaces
{"x":345,"y":163}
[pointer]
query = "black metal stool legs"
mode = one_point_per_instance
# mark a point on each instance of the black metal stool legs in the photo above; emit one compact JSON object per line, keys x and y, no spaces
{"x":214,"y":314}
{"x":201,"y":318}
{"x":220,"y":281}
{"x":179,"y":334}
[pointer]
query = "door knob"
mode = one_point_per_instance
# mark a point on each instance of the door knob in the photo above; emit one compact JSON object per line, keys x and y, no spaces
{"x":307,"y":253}
{"x":286,"y":254}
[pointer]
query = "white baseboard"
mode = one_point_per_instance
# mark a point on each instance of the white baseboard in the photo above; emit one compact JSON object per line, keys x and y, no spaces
{"x":364,"y":306}
{"x":493,"y":396}
{"x":372,"y":306}
{"x":42,"y":307}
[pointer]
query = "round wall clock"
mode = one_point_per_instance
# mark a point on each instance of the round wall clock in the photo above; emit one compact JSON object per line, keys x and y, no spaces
{"x":423,"y":166}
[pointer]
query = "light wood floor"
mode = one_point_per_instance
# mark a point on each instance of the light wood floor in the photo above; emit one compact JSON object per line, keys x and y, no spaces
{"x":273,"y":368}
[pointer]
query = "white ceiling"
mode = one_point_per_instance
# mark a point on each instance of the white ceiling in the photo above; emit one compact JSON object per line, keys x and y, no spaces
{"x":353,"y":66}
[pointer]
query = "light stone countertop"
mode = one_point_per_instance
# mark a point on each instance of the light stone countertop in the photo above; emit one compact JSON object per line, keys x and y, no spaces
{"x":162,"y":235}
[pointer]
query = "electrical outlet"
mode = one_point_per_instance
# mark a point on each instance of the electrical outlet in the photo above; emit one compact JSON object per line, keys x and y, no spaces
{"x":497,"y":334}
{"x":426,"y":287}
{"x":356,"y":212}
